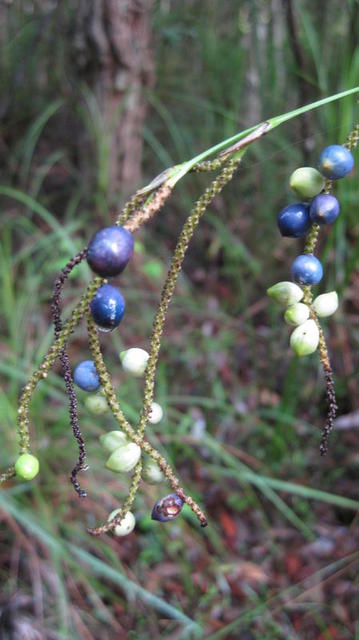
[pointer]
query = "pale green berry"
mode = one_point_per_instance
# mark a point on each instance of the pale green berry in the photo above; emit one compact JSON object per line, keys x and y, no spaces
{"x":113,"y":440}
{"x":96,"y":404}
{"x":305,"y":338}
{"x":27,"y":466}
{"x":126,"y":525}
{"x":286,"y":293}
{"x":124,"y":458}
{"x":326,"y":304}
{"x":151,"y":473}
{"x":306,"y":182}
{"x":296,"y":314}
{"x":156,"y":413}
{"x":134,"y":361}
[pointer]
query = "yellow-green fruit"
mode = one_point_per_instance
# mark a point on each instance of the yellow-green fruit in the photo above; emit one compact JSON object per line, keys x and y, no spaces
{"x":306,"y":182}
{"x":326,"y":304}
{"x":305,"y":338}
{"x":124,"y":458}
{"x":113,"y":440}
{"x":151,"y":472}
{"x":296,"y":314}
{"x":27,"y":466}
{"x":96,"y":404}
{"x":126,"y":525}
{"x":286,"y":293}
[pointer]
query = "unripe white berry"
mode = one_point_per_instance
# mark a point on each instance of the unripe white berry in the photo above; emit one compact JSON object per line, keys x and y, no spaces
{"x":151,"y":472}
{"x":113,"y":440}
{"x":134,"y":361}
{"x":326,"y":304}
{"x":126,"y":525}
{"x":96,"y":404}
{"x":124,"y":458}
{"x":156,"y":413}
{"x":305,"y":338}
{"x":296,"y":314}
{"x":286,"y":293}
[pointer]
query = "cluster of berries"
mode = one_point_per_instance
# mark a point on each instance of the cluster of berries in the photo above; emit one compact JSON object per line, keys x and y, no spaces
{"x":295,"y":221}
{"x":107,"y":255}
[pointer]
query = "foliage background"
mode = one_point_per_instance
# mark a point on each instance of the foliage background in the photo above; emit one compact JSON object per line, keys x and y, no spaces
{"x":279,"y":559}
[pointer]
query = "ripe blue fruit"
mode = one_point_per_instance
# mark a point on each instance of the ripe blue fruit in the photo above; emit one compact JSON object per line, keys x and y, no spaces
{"x":294,"y":221}
{"x":167,"y":508}
{"x":107,"y":307}
{"x":335,"y":162}
{"x":109,"y":251}
{"x":86,"y":376}
{"x":324,"y":209}
{"x":306,"y":269}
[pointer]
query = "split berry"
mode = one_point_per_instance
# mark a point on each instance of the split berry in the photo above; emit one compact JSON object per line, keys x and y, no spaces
{"x":307,"y":269}
{"x":294,"y":221}
{"x":335,"y":162}
{"x":306,"y":182}
{"x":107,"y":307}
{"x":324,"y":209}
{"x":27,"y":466}
{"x":167,"y":508}
{"x":109,"y":251}
{"x":86,"y":376}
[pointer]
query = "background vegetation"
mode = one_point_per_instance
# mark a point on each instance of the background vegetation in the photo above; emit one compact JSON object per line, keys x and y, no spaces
{"x":279,"y":559}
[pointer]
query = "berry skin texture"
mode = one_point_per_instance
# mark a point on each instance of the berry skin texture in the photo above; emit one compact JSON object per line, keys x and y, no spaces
{"x":306,"y":182}
{"x":107,"y":307}
{"x":109,"y":251}
{"x":294,"y":221}
{"x":126,"y":525}
{"x":335,"y":162}
{"x":27,"y":466}
{"x":156,"y":413}
{"x":324,"y":209}
{"x":167,"y":508}
{"x":86,"y":376}
{"x":307,"y":269}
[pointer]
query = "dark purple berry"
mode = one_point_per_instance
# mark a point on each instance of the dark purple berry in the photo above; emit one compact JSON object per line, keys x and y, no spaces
{"x":109,"y":251}
{"x":167,"y":508}
{"x":294,"y":220}
{"x":306,"y":269}
{"x":324,"y":209}
{"x":107,"y":307}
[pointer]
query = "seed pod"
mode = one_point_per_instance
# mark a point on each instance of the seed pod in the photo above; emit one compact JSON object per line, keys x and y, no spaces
{"x":286,"y":293}
{"x":167,"y":508}
{"x":134,"y":361}
{"x":305,"y":338}
{"x":126,"y":525}
{"x":124,"y":458}
{"x":326,"y":304}
{"x":96,"y":404}
{"x":156,"y":413}
{"x":113,"y":440}
{"x":151,"y":472}
{"x":27,"y":466}
{"x":296,"y":314}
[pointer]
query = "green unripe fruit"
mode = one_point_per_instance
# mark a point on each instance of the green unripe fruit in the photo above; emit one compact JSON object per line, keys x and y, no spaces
{"x":113,"y":440}
{"x":286,"y":293}
{"x":126,"y":525}
{"x":305,"y":338}
{"x":27,"y":466}
{"x":306,"y":182}
{"x":124,"y":458}
{"x":296,"y":314}
{"x":151,"y":472}
{"x":326,"y":304}
{"x":96,"y":404}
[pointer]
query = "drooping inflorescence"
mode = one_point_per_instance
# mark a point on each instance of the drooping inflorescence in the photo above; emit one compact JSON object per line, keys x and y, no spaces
{"x":103,"y":306}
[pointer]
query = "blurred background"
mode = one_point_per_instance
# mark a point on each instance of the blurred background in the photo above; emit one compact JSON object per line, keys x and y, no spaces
{"x":97,"y":97}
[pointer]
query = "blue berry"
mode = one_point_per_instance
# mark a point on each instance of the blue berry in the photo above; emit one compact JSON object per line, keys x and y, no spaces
{"x":109,"y":251}
{"x":306,"y":269}
{"x":335,"y":162}
{"x":86,"y":376}
{"x":324,"y":209}
{"x":167,"y":508}
{"x":107,"y":307}
{"x":294,"y":220}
